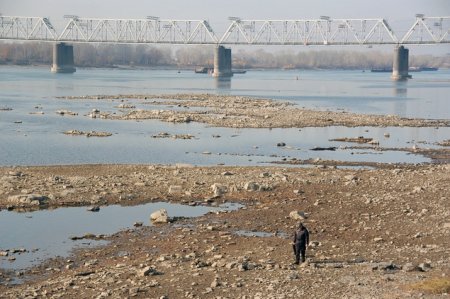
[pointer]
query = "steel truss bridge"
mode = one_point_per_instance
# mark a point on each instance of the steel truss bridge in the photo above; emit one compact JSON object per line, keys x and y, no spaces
{"x":152,"y":30}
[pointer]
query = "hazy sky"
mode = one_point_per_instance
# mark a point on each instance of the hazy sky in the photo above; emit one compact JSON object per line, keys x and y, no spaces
{"x":399,"y":13}
{"x":217,"y":11}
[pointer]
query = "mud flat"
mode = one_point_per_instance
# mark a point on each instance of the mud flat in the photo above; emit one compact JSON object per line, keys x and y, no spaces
{"x":378,"y":233}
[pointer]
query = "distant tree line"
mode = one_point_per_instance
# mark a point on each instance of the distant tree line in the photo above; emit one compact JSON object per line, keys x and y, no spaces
{"x":99,"y":55}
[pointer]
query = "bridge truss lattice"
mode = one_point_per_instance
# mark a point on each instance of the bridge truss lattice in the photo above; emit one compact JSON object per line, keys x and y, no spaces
{"x":152,"y":30}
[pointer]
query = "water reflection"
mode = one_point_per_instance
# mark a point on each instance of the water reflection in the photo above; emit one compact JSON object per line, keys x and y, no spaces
{"x":400,"y":89}
{"x":223,"y":83}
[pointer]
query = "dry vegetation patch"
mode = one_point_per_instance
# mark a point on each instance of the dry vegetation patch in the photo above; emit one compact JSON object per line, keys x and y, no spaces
{"x":438,"y":285}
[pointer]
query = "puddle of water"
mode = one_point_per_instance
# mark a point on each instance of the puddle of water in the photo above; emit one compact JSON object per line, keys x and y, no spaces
{"x":46,"y":233}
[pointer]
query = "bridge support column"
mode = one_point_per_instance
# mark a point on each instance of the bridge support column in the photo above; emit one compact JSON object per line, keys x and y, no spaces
{"x":62,"y":58}
{"x":401,"y":64}
{"x":222,"y":62}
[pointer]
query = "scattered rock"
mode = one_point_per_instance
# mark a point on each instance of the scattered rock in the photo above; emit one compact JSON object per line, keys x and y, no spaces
{"x":360,"y":139}
{"x":88,"y":134}
{"x":93,"y":209}
{"x":331,"y":148}
{"x":87,"y":236}
{"x":386,"y":266}
{"x":216,"y":283}
{"x":409,"y":267}
{"x":252,"y":186}
{"x":85,"y":273}
{"x":28,"y":199}
{"x":138,"y":224}
{"x":66,"y":112}
{"x":176,"y":136}
{"x":159,"y":216}
{"x":219,"y":189}
{"x":149,"y":271}
{"x":298,"y":215}
{"x":424,"y":267}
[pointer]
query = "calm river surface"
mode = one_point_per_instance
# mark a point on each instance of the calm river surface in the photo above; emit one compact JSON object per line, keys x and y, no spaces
{"x":36,"y":139}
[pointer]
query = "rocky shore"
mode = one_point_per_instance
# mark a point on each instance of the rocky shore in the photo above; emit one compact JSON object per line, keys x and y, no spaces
{"x":378,"y":233}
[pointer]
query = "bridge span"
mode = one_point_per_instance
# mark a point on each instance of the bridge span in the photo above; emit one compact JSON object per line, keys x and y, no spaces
{"x":323,"y":31}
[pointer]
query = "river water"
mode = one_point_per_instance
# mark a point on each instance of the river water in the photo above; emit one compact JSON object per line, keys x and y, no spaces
{"x":31,"y":134}
{"x":28,"y":138}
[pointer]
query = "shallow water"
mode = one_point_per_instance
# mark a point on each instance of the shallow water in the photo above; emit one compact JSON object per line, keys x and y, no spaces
{"x":45,"y":144}
{"x":49,"y":231}
{"x":38,"y":140}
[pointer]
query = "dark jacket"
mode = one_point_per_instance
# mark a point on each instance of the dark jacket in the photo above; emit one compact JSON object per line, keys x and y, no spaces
{"x":301,"y":237}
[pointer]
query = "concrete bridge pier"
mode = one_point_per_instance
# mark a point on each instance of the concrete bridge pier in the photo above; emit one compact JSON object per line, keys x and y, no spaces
{"x":401,"y":64}
{"x":222,"y":63}
{"x":62,"y":59}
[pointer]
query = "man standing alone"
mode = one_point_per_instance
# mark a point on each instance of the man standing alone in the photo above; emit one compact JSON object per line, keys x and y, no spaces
{"x":300,"y":241}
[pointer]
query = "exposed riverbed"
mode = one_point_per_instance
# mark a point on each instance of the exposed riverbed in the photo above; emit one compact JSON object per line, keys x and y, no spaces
{"x":353,"y":216}
{"x":356,"y":155}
